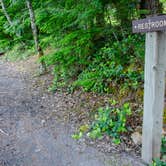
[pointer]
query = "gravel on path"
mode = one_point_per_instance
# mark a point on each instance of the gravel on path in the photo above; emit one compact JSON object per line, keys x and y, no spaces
{"x":32,"y":132}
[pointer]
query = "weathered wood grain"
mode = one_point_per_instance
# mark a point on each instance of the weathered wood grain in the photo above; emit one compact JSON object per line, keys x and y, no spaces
{"x":154,"y":88}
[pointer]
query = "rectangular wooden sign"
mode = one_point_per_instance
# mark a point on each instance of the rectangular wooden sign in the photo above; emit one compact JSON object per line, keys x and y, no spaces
{"x":150,"y":24}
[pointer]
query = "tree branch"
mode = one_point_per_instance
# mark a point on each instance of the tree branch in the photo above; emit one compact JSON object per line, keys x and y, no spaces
{"x":5,"y":13}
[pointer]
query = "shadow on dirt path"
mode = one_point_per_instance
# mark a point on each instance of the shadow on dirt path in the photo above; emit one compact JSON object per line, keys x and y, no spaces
{"x":27,"y":138}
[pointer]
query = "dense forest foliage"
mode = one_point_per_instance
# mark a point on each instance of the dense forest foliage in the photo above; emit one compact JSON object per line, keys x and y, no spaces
{"x":89,"y":43}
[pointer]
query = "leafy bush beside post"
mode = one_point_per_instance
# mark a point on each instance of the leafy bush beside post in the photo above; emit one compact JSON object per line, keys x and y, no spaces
{"x":109,"y":121}
{"x":161,"y":162}
{"x":117,"y":63}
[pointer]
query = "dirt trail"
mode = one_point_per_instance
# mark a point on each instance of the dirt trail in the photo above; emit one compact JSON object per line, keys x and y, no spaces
{"x":31,"y":136}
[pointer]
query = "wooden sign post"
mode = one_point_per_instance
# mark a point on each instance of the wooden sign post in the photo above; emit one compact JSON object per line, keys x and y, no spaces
{"x":154,"y":87}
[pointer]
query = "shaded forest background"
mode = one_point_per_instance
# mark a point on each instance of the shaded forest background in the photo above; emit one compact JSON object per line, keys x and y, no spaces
{"x":88,"y":43}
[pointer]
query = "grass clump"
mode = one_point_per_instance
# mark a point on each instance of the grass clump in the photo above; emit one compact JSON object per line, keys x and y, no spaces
{"x":17,"y":53}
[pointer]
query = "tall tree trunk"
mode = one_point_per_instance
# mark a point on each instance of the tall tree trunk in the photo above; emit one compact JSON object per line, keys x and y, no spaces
{"x":153,"y":6}
{"x":35,"y":33}
{"x":6,"y":13}
{"x":33,"y":24}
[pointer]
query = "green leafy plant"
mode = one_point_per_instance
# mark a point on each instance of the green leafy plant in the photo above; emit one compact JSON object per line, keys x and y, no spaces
{"x":163,"y":145}
{"x":77,"y":136}
{"x":82,"y":130}
{"x":110,"y":121}
{"x":118,"y":63}
{"x":158,"y":162}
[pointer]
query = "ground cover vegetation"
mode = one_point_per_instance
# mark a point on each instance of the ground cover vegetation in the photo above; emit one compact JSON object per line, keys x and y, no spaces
{"x":89,"y":45}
